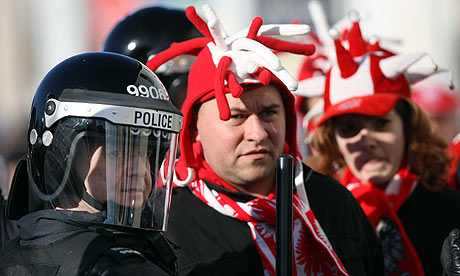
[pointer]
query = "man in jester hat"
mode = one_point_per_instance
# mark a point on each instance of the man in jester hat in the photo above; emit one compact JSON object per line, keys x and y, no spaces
{"x":239,"y":116}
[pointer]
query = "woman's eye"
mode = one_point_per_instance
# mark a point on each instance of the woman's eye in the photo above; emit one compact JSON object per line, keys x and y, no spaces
{"x":345,"y":130}
{"x":381,"y":123}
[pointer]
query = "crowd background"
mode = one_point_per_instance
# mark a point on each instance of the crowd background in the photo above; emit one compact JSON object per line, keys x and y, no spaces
{"x":36,"y":35}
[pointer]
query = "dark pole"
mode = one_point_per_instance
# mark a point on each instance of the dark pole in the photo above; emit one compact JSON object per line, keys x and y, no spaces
{"x":284,"y":188}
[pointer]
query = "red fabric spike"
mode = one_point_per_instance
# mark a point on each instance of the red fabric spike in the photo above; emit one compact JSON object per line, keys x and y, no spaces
{"x":254,"y":28}
{"x":344,"y":35}
{"x":375,"y":47}
{"x":399,"y":85}
{"x":199,"y":23}
{"x":286,"y":46}
{"x":219,"y":88}
{"x":189,"y":47}
{"x":264,"y":75}
{"x":309,"y":69}
{"x":346,"y":63}
{"x":357,"y":43}
{"x":233,"y":85}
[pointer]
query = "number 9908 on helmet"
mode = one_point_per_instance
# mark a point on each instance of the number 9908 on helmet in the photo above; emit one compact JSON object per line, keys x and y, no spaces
{"x":102,"y":138}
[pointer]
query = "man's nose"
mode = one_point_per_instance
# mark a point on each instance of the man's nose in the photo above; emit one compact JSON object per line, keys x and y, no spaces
{"x":255,"y":129}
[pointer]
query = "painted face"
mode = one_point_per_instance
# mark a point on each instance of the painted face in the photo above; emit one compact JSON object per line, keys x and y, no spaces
{"x":243,"y":150}
{"x":372,"y":147}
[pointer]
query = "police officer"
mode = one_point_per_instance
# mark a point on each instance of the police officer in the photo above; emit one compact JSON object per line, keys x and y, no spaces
{"x":92,"y":196}
{"x":150,"y":30}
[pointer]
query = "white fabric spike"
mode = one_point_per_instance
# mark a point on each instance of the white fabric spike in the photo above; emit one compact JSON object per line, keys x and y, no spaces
{"x":316,"y":110}
{"x":319,"y":19}
{"x":215,"y":27}
{"x":353,"y":15}
{"x":284,"y":29}
{"x":210,"y":13}
{"x":288,"y":80}
{"x":417,"y":73}
{"x":393,"y":66}
{"x":254,"y":46}
{"x":311,"y":87}
{"x":247,"y":54}
{"x":274,"y":29}
{"x":342,"y":24}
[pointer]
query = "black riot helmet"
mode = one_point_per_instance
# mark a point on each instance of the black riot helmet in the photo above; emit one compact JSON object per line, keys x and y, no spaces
{"x":150,"y":30}
{"x":102,"y":138}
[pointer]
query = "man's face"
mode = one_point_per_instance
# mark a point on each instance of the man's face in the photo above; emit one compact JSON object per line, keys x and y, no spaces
{"x":243,"y":150}
{"x":132,"y":183}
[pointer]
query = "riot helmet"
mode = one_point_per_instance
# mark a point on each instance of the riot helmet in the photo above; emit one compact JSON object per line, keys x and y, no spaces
{"x":102,"y":138}
{"x":150,"y":30}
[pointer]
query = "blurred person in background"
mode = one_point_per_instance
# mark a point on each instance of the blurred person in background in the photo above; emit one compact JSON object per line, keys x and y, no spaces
{"x":443,"y":106}
{"x":239,"y":117}
{"x":308,"y":101}
{"x":147,"y":31}
{"x":86,"y":196}
{"x":8,"y":228}
{"x":392,"y":161}
{"x":16,"y":150}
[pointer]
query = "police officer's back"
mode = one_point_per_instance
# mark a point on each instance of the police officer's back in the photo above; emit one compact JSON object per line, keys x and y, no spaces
{"x":101,"y":134}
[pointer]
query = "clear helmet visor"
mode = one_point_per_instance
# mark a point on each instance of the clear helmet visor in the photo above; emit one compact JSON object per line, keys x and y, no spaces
{"x":114,"y":170}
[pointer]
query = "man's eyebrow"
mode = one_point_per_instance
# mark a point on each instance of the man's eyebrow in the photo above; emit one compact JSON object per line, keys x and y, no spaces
{"x":264,"y":107}
{"x":272,"y":106}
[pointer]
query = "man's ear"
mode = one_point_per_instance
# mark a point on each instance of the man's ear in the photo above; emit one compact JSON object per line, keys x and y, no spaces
{"x":193,"y":128}
{"x":194,"y":133}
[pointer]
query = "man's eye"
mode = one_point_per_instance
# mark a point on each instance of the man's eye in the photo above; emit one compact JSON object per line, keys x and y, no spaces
{"x":268,"y":115}
{"x":269,"y":112}
{"x":239,"y":116}
{"x":115,"y":153}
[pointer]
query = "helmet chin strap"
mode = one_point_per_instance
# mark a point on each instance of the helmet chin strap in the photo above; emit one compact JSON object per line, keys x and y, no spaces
{"x":86,"y":197}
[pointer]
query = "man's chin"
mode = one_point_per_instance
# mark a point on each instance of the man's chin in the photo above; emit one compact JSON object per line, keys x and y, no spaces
{"x":255,"y":174}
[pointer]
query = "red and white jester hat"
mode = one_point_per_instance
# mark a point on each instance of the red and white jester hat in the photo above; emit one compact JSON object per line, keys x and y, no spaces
{"x":231,"y":64}
{"x":435,"y":98}
{"x":366,"y":80}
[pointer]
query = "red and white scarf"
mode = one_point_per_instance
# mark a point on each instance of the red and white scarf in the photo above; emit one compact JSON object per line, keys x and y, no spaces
{"x":382,"y":205}
{"x":313,"y":253}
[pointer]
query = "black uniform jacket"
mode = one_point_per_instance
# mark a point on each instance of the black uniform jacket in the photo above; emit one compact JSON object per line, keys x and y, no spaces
{"x":428,"y":217}
{"x":50,"y":244}
{"x":8,"y":228}
{"x":214,"y":244}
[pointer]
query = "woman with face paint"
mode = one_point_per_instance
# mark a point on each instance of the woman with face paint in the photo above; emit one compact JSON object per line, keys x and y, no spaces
{"x":393,"y":162}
